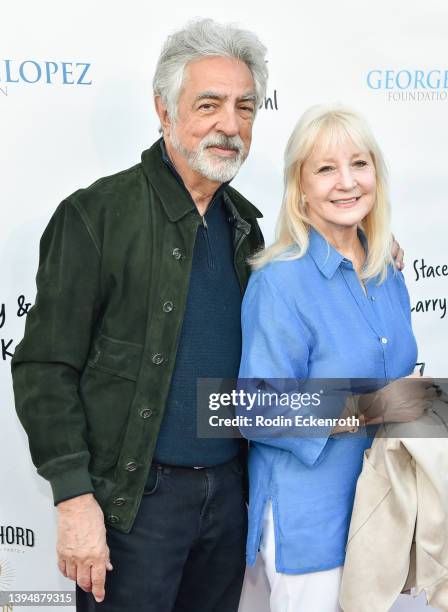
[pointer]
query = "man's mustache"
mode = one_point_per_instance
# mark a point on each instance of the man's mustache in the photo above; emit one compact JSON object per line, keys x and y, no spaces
{"x":225,"y":142}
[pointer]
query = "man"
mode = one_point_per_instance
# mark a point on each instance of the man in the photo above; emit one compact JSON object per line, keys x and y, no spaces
{"x":140,"y":283}
{"x":139,"y":291}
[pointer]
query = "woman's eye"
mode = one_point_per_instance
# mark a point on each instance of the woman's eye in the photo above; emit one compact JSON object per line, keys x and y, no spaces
{"x":325,"y":169}
{"x":360,"y":163}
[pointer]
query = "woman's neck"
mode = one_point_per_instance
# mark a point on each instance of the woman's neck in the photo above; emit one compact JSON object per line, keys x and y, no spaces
{"x":346,"y":241}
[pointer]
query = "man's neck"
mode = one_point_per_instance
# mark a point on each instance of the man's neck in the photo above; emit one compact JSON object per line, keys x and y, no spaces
{"x":200,"y":188}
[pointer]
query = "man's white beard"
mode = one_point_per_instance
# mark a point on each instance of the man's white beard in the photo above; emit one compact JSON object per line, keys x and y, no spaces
{"x":213,"y":167}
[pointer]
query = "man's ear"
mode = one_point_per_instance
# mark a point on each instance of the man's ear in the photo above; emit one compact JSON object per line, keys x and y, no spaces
{"x":162,"y":112}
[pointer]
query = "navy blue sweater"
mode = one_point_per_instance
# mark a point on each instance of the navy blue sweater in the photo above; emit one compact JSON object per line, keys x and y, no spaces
{"x":210,"y":342}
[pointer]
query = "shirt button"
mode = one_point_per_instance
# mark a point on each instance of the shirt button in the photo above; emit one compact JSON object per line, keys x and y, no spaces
{"x":119,"y":501}
{"x":157,"y":358}
{"x":168,"y":306}
{"x":384,"y":340}
{"x":113,"y":519}
{"x":177,"y":253}
{"x":373,"y":298}
{"x":146,"y":413}
{"x":131,"y":466}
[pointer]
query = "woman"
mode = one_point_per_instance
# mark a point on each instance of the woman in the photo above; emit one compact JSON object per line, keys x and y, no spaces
{"x":324,"y":302}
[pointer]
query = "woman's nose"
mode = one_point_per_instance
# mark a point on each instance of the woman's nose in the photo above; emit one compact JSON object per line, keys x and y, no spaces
{"x":347,"y":179}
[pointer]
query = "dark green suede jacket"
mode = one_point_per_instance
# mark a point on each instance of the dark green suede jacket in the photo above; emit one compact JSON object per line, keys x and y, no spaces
{"x":92,"y":373}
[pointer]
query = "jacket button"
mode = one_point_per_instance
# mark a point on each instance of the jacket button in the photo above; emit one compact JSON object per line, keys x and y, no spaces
{"x":119,"y":501}
{"x":168,"y":307}
{"x":146,"y":413}
{"x":177,"y":253}
{"x":131,"y":466}
{"x":157,"y":358}
{"x":113,"y":519}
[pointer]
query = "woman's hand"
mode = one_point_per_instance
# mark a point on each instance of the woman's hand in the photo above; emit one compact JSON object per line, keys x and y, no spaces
{"x":400,"y":401}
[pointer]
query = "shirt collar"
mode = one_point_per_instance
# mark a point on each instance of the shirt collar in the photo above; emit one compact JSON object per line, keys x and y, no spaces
{"x":168,"y":161}
{"x":325,"y":256}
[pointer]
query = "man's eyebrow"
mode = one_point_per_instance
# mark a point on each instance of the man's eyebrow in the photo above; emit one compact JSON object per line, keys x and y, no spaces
{"x":250,"y":97}
{"x":214,"y":95}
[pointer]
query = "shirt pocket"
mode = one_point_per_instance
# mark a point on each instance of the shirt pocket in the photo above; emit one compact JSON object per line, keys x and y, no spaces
{"x":107,"y":389}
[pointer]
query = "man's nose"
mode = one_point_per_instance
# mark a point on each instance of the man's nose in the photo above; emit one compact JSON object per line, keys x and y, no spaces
{"x":228,"y":122}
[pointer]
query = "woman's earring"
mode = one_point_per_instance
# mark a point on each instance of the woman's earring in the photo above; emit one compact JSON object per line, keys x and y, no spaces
{"x":304,"y":199}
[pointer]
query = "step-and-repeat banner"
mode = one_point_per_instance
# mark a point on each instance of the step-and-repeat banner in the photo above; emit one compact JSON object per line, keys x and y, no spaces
{"x":76,"y":104}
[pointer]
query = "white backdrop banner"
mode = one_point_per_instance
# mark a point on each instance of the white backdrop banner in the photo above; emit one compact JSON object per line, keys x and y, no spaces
{"x":76,"y":104}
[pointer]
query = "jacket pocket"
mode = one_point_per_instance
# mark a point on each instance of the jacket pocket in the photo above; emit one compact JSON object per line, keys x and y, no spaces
{"x":107,"y":389}
{"x":116,"y":357}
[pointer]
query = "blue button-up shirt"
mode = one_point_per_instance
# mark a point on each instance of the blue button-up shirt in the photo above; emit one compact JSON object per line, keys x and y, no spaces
{"x":310,"y":318}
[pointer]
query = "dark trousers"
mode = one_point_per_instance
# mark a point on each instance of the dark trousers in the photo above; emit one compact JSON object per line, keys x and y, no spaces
{"x":185,"y":552}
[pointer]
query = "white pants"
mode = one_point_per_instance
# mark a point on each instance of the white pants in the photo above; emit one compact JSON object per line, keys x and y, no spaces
{"x":313,"y":592}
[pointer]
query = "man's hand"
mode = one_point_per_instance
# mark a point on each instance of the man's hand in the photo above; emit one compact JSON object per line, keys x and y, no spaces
{"x":397,"y":254}
{"x":83,"y":554}
{"x":401,"y":401}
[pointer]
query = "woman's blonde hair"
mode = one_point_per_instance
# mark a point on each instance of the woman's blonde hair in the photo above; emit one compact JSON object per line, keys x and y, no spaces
{"x":332,"y":125}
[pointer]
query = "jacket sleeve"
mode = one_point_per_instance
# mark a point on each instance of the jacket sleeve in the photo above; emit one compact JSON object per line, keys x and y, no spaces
{"x":276,"y":350}
{"x":48,"y":362}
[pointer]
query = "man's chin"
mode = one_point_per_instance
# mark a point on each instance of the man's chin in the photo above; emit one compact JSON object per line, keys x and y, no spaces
{"x":217,"y":177}
{"x":220,"y":173}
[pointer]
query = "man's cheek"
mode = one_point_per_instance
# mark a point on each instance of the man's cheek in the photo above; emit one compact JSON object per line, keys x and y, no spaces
{"x":247,"y":137}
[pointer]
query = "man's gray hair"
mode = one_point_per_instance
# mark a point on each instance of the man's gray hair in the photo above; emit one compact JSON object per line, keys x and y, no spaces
{"x":207,"y":38}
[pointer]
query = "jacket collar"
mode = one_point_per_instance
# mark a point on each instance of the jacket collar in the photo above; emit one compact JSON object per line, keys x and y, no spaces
{"x":175,"y":198}
{"x":326,"y":257}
